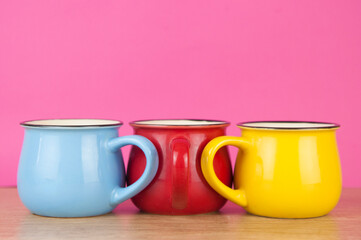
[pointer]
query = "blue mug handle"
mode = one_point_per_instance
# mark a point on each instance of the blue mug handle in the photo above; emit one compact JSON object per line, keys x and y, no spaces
{"x":120,"y":194}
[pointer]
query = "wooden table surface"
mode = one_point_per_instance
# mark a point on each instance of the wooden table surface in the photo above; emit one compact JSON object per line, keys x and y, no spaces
{"x":126,"y":222}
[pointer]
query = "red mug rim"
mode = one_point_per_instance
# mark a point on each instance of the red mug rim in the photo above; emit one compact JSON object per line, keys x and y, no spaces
{"x":196,"y":123}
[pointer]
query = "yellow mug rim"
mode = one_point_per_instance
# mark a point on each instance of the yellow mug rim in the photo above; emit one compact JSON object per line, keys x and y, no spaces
{"x":288,"y":125}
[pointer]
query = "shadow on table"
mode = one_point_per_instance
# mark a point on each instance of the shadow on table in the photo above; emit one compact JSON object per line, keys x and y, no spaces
{"x":230,"y":226}
{"x":38,"y":227}
{"x":137,"y":225}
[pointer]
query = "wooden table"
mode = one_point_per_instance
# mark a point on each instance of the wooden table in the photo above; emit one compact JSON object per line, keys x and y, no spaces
{"x":126,"y":222}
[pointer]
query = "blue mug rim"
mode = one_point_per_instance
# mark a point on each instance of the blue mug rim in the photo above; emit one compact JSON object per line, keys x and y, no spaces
{"x":30,"y":123}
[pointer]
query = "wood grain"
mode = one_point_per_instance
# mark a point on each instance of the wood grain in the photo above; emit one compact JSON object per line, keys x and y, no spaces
{"x":126,"y":222}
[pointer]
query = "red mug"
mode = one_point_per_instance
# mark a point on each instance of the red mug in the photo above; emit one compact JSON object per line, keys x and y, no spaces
{"x":179,"y":186}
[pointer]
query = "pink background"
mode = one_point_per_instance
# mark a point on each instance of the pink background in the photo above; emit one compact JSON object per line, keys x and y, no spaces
{"x":231,"y":60}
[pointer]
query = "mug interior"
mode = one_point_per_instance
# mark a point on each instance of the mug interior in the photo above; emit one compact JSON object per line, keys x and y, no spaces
{"x":71,"y":123}
{"x":288,"y":125}
{"x":179,"y":122}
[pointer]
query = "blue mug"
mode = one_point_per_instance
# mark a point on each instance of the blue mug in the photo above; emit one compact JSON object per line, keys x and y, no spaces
{"x":74,"y":167}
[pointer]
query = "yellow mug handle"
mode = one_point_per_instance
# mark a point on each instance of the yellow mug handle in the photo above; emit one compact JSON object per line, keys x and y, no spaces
{"x":237,"y":196}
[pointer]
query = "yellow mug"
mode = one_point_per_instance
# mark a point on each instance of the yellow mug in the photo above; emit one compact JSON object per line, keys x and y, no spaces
{"x":283,"y":169}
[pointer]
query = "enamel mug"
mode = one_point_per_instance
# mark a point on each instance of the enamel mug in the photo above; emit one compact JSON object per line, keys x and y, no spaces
{"x":179,"y":187}
{"x":74,"y":167}
{"x":283,"y":169}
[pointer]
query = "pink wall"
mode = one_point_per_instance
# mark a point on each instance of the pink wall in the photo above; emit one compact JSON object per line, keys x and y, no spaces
{"x":232,"y":60}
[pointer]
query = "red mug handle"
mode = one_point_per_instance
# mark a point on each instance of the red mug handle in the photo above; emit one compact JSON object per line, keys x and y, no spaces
{"x":180,"y":172}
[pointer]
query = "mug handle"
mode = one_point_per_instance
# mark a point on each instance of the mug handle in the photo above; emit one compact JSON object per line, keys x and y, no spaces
{"x":237,"y":196}
{"x":120,"y":194}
